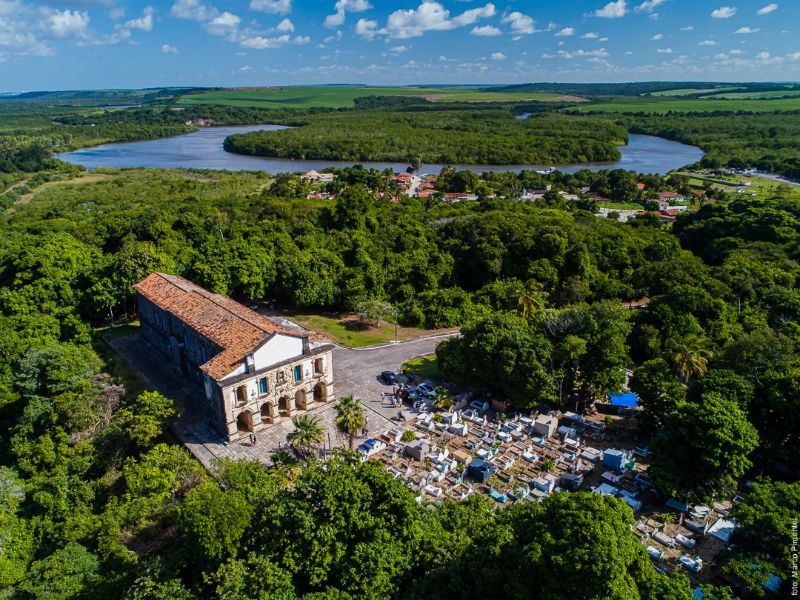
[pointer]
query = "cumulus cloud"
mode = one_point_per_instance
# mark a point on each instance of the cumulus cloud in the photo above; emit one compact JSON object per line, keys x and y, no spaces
{"x":658,"y":36}
{"x":566,"y":32}
{"x":69,"y":23}
{"x":521,"y":24}
{"x":664,"y":50}
{"x":260,"y":42}
{"x":498,"y":56}
{"x":708,"y":43}
{"x":769,"y":8}
{"x":432,"y":16}
{"x":590,"y":36}
{"x":748,"y":30}
{"x":169,"y":49}
{"x":612,"y":10}
{"x":599,"y":53}
{"x":341,"y":8}
{"x":278,"y":7}
{"x":194,"y":10}
{"x":285,"y":26}
{"x":367,"y":28}
{"x":486,"y":31}
{"x":143,"y":23}
{"x":688,"y":28}
{"x":724,"y":12}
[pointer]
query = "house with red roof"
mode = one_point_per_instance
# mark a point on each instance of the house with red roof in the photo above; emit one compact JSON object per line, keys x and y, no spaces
{"x":249,"y":372}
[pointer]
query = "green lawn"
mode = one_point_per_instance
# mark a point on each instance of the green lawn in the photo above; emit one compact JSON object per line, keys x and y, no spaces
{"x":620,"y":205}
{"x":665,"y":104}
{"x":426,"y":367}
{"x":343,"y":96}
{"x":345,"y":331}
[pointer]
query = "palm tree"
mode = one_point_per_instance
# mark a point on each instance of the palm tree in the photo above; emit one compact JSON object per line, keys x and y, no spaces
{"x":690,"y":356}
{"x":350,"y":417}
{"x":531,"y":300}
{"x":442,"y":400}
{"x":308,"y":434}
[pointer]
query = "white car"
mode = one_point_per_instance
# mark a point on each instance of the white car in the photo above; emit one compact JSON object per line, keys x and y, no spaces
{"x":427,"y":390}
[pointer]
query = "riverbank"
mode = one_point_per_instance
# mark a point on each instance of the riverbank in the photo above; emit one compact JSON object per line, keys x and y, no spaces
{"x":203,"y":149}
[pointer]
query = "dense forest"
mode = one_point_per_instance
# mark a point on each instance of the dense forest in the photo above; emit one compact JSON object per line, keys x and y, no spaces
{"x":439,"y":134}
{"x":765,"y":141}
{"x":99,"y":501}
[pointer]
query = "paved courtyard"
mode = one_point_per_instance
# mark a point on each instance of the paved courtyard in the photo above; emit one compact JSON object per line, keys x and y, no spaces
{"x":355,"y":372}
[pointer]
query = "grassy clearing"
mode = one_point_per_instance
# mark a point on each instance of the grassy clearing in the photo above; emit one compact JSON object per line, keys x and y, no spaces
{"x":762,"y":187}
{"x":620,"y":205}
{"x":426,"y":367}
{"x":343,"y":96}
{"x":666,"y":104}
{"x":347,"y":330}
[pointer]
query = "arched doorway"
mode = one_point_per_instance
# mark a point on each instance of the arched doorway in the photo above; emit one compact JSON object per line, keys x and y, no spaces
{"x":285,"y":406}
{"x":266,"y":413}
{"x":300,"y":400}
{"x":244,"y":422}
{"x":321,"y":392}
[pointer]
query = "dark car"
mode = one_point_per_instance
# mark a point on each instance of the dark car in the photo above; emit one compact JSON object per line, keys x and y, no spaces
{"x":389,"y":377}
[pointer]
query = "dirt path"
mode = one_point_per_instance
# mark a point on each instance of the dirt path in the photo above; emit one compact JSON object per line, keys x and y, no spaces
{"x":87,"y":178}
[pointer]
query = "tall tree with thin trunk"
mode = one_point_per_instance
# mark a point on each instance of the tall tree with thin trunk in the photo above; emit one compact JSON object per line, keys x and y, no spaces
{"x":350,"y":418}
{"x":690,"y":356}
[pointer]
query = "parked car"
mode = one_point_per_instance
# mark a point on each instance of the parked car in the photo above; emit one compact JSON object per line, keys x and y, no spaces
{"x":427,"y":390}
{"x":389,"y":377}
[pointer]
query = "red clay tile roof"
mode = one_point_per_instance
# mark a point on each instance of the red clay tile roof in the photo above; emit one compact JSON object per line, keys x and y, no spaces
{"x":235,"y":328}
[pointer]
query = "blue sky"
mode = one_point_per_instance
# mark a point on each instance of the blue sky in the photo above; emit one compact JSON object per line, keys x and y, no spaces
{"x":68,"y":44}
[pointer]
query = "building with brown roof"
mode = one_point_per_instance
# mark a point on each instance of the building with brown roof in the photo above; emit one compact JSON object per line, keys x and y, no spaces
{"x":252,"y":372}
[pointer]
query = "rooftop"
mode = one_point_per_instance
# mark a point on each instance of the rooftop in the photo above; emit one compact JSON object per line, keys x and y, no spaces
{"x":236,"y":329}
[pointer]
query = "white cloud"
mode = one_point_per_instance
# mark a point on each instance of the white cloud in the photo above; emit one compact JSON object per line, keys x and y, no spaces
{"x":486,"y":31}
{"x":169,"y":49}
{"x":658,"y":36}
{"x":566,"y":32}
{"x":498,"y":56}
{"x":301,"y":40}
{"x":769,"y":8}
{"x":194,"y":10}
{"x":399,"y":49}
{"x":521,"y":24}
{"x":224,"y":24}
{"x":69,"y":23}
{"x":724,"y":12}
{"x":341,"y":8}
{"x":116,"y":13}
{"x":612,"y":10}
{"x":367,"y":28}
{"x":649,"y":5}
{"x":278,"y":7}
{"x":708,"y":43}
{"x":285,"y":26}
{"x":432,"y":16}
{"x":143,"y":23}
{"x":664,"y":50}
{"x":590,"y":36}
{"x":261,"y":43}
{"x":599,"y":53}
{"x":748,"y":30}
{"x":246,"y":69}
{"x":688,"y":28}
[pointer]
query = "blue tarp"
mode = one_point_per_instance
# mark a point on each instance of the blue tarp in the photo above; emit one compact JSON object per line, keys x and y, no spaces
{"x":626,"y":400}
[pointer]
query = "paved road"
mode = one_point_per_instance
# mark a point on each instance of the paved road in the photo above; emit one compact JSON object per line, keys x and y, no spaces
{"x":356,"y":370}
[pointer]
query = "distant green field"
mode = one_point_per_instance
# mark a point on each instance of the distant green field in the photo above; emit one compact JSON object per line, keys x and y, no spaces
{"x":663,"y":105}
{"x":343,"y":96}
{"x":758,"y":95}
{"x":690,"y":91}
